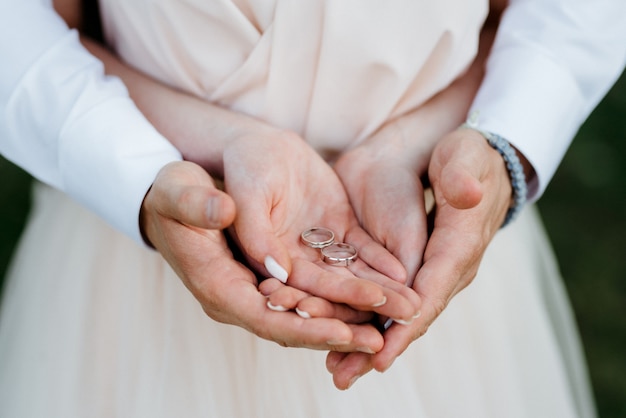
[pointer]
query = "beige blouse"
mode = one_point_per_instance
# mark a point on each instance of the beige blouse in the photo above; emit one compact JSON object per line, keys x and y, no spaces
{"x":333,"y":71}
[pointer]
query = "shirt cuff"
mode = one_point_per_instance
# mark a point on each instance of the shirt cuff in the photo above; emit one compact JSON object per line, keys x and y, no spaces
{"x":78,"y":130}
{"x":535,"y":104}
{"x":112,"y":172}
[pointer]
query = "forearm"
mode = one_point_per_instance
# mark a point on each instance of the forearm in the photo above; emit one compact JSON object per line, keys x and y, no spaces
{"x":198,"y":129}
{"x":66,"y":124}
{"x":413,"y":136}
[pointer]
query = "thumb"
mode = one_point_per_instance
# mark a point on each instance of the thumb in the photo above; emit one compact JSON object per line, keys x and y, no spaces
{"x":186,"y":193}
{"x":458,"y":167}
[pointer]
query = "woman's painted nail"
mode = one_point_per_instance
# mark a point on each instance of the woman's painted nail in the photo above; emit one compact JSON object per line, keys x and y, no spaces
{"x":275,"y":269}
{"x":381,"y":303}
{"x":410,"y":321}
{"x":303,"y":314}
{"x":403,"y":322}
{"x":277,"y":308}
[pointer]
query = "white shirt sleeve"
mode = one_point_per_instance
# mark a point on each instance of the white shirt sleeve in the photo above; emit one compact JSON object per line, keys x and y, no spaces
{"x":67,"y":124}
{"x":551,"y":63}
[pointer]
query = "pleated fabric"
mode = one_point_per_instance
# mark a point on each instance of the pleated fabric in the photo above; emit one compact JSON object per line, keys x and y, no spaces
{"x":93,"y":325}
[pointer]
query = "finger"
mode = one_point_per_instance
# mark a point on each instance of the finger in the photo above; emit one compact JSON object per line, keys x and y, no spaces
{"x":337,"y":284}
{"x":315,"y":307}
{"x":375,"y":255}
{"x":333,"y":358}
{"x":200,"y":206}
{"x":366,"y":339}
{"x":283,"y":298}
{"x":451,"y":261}
{"x":256,"y":234}
{"x":397,"y":339}
{"x":185,"y":192}
{"x":270,"y":285}
{"x":291,"y":330}
{"x":393,"y":212}
{"x":239,"y":302}
{"x":350,"y":368}
{"x":460,"y":187}
{"x":228,"y":293}
{"x":286,"y":298}
{"x":340,"y":286}
{"x":403,"y":303}
{"x":458,"y":167}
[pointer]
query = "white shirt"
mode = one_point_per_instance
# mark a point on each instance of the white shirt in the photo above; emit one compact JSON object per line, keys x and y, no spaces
{"x":73,"y":128}
{"x":552,"y":62}
{"x":68,"y":125}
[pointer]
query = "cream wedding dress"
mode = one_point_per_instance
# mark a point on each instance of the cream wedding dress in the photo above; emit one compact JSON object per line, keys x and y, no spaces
{"x":93,"y":325}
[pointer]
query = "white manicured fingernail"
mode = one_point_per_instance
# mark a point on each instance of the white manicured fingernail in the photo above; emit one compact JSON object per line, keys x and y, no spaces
{"x":381,"y":303}
{"x":275,"y":269}
{"x":277,"y":308}
{"x":303,"y":314}
{"x":403,"y":322}
{"x":365,"y":350}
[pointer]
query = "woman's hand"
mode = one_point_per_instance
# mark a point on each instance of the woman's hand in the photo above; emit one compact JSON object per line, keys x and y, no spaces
{"x":265,"y":168}
{"x":383,"y":182}
{"x":282,"y":187}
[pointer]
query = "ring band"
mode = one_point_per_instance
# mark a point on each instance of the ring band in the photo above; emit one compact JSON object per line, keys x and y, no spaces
{"x":340,"y":254}
{"x":318,"y":237}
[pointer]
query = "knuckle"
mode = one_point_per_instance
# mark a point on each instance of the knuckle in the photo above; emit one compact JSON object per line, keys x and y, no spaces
{"x":185,"y":198}
{"x":439,"y":305}
{"x":282,"y":343}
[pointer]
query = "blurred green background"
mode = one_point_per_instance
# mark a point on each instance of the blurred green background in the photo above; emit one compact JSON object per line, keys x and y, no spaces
{"x":584,"y":210}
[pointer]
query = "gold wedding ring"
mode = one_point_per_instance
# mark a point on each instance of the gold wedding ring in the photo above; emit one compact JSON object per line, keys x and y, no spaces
{"x":340,"y":254}
{"x":318,"y":237}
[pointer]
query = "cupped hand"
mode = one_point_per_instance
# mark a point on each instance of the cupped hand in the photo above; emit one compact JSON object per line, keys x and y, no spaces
{"x":181,"y":216}
{"x":472,"y":194}
{"x":283,"y":187}
{"x":383,"y":183}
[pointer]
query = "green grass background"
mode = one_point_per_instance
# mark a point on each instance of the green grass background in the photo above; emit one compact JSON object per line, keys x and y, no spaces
{"x":584,"y":209}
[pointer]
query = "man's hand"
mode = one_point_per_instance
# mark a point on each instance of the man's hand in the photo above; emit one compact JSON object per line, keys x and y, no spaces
{"x":181,"y":217}
{"x":472,"y":194}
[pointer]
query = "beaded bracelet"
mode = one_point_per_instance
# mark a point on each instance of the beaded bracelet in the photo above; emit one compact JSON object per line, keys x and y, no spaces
{"x":513,"y":165}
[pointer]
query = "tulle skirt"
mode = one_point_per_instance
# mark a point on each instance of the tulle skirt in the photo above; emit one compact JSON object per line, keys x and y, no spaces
{"x":93,"y":325}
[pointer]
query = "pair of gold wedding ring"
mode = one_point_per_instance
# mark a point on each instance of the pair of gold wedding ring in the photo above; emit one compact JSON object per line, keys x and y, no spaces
{"x":334,"y":254}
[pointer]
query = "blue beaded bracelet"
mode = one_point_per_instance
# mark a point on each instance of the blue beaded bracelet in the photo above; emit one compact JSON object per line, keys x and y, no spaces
{"x":513,"y":165}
